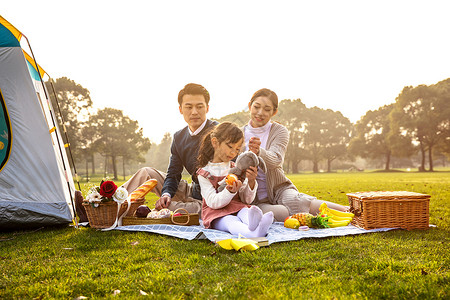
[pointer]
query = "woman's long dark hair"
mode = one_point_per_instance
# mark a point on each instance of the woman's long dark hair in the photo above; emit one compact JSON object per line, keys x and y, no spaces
{"x":224,"y":132}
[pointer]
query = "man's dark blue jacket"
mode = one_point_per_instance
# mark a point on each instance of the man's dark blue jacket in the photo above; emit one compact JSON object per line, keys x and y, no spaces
{"x":184,"y":152}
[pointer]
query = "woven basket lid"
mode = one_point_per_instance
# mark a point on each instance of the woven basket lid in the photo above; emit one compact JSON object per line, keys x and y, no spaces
{"x":388,"y":195}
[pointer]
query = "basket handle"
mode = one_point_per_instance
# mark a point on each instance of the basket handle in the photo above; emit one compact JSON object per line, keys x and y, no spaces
{"x":356,"y":212}
{"x":180,"y":223}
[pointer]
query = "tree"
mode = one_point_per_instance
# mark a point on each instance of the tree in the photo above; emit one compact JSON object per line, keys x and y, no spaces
{"x":158,"y":156}
{"x":239,"y":118}
{"x":75,"y":106}
{"x":326,"y":135}
{"x":337,"y":131}
{"x":374,"y":138}
{"x":114,"y":135}
{"x":292,"y":114}
{"x":443,"y":88}
{"x":423,"y":114}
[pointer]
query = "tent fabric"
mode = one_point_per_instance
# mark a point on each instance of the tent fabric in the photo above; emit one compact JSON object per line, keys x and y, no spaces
{"x":5,"y":133}
{"x":9,"y":35}
{"x":35,"y":181}
{"x":33,"y":69}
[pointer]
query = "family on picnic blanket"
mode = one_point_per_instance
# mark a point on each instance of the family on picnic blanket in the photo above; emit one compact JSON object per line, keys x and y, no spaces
{"x":206,"y":149}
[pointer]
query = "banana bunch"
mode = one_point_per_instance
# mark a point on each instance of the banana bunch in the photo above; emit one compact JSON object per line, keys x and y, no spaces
{"x":337,"y":218}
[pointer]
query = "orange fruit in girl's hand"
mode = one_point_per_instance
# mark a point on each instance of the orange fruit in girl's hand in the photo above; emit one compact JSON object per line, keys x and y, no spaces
{"x":230,"y":179}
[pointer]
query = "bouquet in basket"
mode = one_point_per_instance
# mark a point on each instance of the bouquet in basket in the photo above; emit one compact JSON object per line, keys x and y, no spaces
{"x":106,"y":192}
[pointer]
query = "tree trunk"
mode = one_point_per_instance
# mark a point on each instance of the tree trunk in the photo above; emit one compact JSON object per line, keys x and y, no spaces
{"x":388,"y":161}
{"x":93,"y":164}
{"x":430,"y":158}
{"x":286,"y":165}
{"x":114,"y":165}
{"x":422,"y":164}
{"x":123,"y":166}
{"x":106,"y":164}
{"x":295,"y":166}
{"x":315,"y":166}
{"x":87,"y":170}
{"x":329,"y":165}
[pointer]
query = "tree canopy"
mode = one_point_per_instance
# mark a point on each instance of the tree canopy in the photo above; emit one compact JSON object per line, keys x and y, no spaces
{"x":422,"y":113}
{"x":114,"y":135}
{"x":374,"y":137}
{"x":418,"y":119}
{"x":75,"y":106}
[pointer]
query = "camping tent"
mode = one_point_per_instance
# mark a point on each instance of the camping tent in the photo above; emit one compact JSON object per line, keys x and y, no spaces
{"x":36,"y":185}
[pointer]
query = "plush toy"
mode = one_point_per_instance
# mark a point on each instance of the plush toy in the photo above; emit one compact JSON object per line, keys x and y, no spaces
{"x":247,"y":159}
{"x":243,"y":162}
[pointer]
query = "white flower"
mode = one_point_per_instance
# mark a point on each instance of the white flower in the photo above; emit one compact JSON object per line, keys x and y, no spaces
{"x":121,"y":194}
{"x":94,"y":197}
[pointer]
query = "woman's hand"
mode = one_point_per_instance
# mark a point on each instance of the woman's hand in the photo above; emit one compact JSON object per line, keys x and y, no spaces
{"x":235,"y":187}
{"x":251,"y":173}
{"x":253,"y":144}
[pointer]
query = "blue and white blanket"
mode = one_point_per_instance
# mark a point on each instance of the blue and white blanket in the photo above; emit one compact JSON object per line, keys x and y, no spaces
{"x":277,"y":232}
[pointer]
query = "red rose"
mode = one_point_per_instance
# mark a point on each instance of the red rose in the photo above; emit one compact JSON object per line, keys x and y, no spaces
{"x":108,"y":188}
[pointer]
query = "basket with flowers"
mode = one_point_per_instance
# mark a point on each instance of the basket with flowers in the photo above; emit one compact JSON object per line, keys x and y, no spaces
{"x":106,"y":203}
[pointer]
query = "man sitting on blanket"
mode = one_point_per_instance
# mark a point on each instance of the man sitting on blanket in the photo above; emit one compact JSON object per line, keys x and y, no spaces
{"x":176,"y":193}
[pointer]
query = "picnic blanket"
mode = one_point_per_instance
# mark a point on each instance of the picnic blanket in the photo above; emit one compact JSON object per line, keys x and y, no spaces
{"x":277,"y":232}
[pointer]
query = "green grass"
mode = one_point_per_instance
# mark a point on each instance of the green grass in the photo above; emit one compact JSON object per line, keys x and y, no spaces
{"x":65,"y":263}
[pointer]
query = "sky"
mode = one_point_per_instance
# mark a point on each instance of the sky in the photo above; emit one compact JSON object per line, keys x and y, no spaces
{"x":136,"y":55}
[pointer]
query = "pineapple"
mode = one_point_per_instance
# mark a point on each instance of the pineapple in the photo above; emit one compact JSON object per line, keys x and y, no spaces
{"x":311,"y":221}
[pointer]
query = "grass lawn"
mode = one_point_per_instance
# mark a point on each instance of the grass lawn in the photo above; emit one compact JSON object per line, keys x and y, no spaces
{"x":66,"y":263}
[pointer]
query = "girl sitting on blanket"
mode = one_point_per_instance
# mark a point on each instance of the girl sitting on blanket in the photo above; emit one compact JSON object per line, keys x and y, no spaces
{"x":229,"y":209}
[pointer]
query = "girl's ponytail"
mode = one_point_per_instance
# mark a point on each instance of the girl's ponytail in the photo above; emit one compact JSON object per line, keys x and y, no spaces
{"x":206,"y":151}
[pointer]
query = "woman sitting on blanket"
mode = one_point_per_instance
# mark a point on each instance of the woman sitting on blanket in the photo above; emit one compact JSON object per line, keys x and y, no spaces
{"x":228,"y":209}
{"x":269,"y":140}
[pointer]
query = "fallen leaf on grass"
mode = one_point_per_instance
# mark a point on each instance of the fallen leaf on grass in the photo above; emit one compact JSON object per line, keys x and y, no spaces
{"x":134,"y":243}
{"x":67,"y":248}
{"x":141,"y":292}
{"x":116,"y":292}
{"x":80,"y":298}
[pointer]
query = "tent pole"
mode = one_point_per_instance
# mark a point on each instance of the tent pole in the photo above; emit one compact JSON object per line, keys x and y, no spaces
{"x":75,"y":220}
{"x":65,"y":134}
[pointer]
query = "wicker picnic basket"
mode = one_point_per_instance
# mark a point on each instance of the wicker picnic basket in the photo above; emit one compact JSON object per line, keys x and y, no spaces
{"x":185,"y":219}
{"x":105,"y":214}
{"x":390,"y":209}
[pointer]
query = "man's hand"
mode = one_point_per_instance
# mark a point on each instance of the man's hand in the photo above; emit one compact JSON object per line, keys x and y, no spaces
{"x":163,"y":202}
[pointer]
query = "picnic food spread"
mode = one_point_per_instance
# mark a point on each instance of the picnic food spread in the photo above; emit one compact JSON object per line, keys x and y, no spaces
{"x":291,"y":223}
{"x":326,"y":218}
{"x":337,"y":218}
{"x":307,"y":219}
{"x":142,"y":211}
